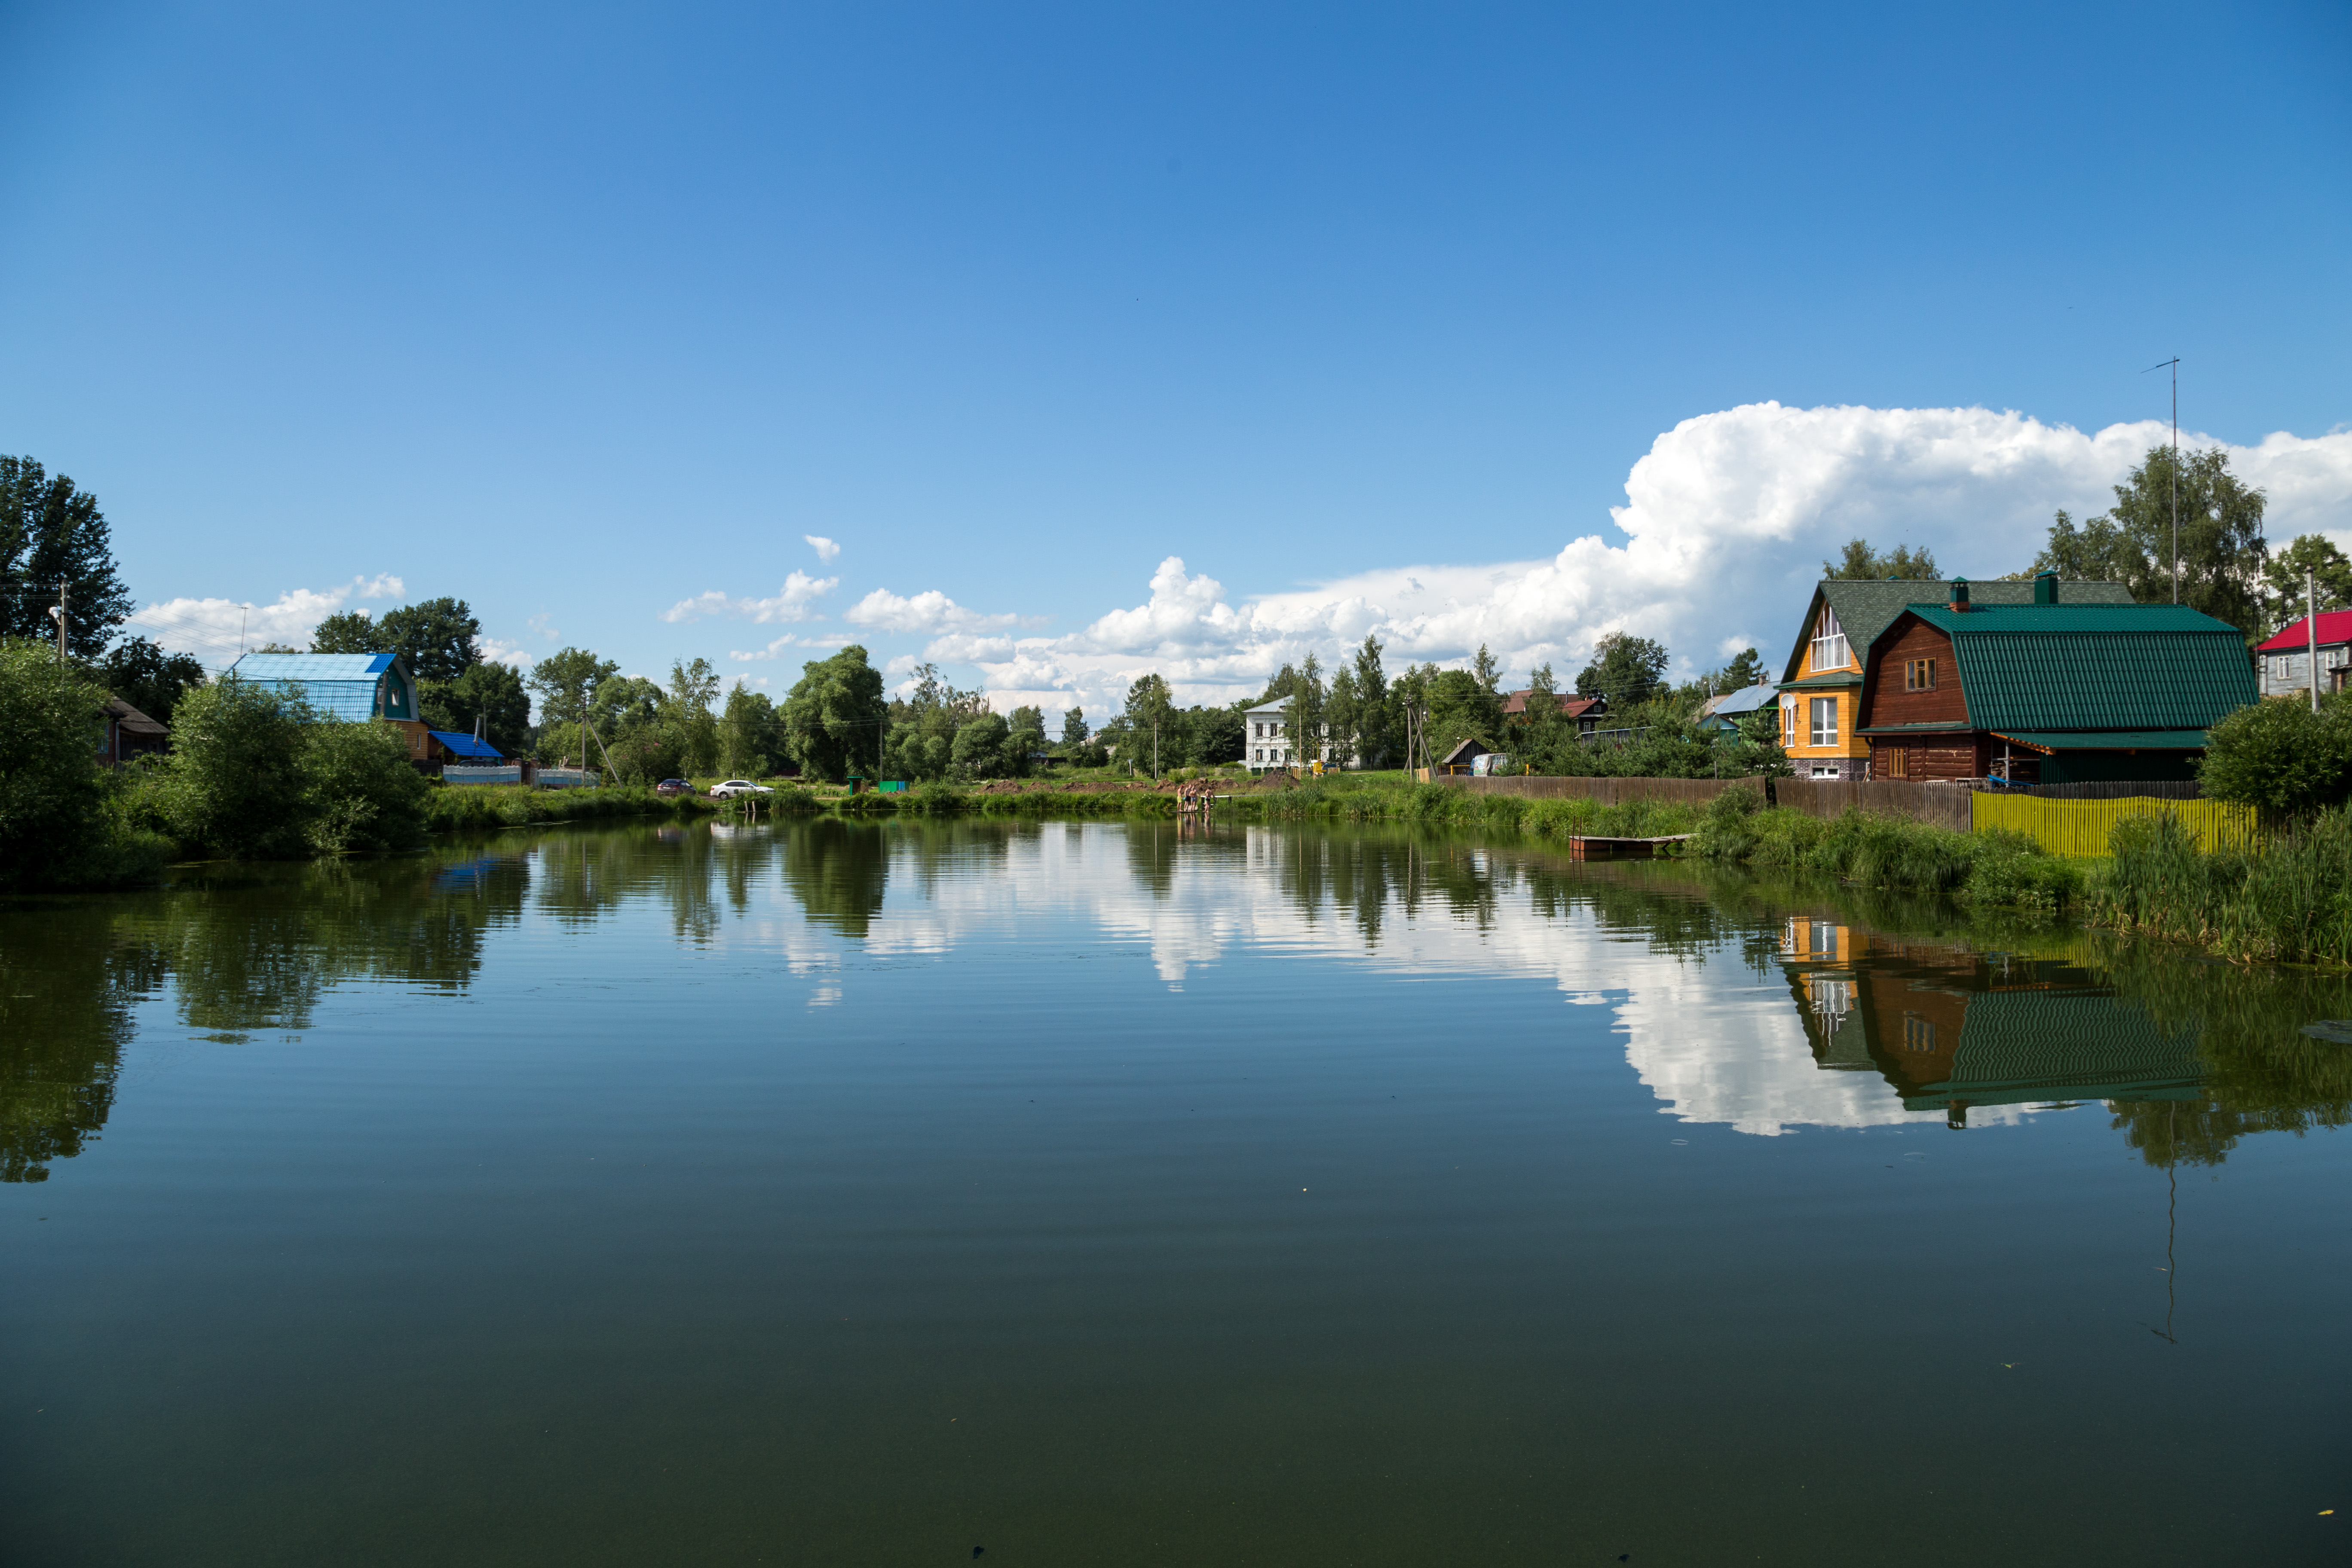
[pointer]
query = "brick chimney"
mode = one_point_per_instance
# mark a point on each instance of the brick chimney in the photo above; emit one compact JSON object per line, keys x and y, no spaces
{"x":1959,"y":594}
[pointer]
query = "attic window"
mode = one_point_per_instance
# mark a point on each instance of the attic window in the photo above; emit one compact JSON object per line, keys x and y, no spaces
{"x":1918,"y":675}
{"x":1829,"y":642}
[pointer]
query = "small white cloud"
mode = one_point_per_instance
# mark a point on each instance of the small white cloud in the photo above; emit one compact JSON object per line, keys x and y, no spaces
{"x":383,"y":587}
{"x":795,"y":601}
{"x":496,"y":652}
{"x":788,"y":641}
{"x":930,"y":610}
{"x":544,"y":624}
{"x":825,"y":548}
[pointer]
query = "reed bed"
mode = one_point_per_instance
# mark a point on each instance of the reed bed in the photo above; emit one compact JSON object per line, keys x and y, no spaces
{"x":1880,"y":850}
{"x":2289,"y":901}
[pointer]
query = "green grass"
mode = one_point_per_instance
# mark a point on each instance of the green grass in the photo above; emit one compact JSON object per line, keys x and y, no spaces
{"x":451,"y":808}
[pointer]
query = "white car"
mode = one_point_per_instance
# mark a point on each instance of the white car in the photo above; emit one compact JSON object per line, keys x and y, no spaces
{"x":727,"y":787}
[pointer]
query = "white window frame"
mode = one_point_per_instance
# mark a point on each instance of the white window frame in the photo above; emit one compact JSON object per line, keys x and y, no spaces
{"x":1829,"y":649}
{"x":1822,"y":735}
{"x":1788,"y":722}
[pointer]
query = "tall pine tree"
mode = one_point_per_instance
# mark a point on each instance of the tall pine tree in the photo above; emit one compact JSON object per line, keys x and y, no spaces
{"x":52,"y":532}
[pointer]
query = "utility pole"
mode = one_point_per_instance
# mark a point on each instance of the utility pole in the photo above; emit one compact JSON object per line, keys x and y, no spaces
{"x":2311,"y":630}
{"x":2175,"y":364}
{"x":58,"y":614}
{"x":583,"y":726}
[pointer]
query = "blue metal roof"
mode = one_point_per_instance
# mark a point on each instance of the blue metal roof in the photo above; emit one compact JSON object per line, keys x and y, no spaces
{"x":464,"y":745}
{"x":1746,"y":700}
{"x":313,"y":665}
{"x":335,"y":685}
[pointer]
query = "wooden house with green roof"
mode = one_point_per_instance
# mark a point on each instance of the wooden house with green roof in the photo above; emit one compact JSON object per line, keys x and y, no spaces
{"x":1820,"y":685}
{"x":2047,"y":692}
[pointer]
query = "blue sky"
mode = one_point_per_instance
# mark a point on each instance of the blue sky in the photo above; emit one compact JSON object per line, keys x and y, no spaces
{"x":1367,"y":314}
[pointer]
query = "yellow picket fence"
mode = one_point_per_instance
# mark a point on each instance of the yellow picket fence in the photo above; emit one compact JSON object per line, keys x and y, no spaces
{"x":2080,"y":827}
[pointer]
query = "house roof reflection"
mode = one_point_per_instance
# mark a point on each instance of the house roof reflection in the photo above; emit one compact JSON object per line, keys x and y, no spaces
{"x":1949,"y":1026}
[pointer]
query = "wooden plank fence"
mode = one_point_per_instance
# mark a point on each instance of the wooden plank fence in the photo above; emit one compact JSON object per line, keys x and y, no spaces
{"x":2080,"y":827}
{"x":1943,"y":805}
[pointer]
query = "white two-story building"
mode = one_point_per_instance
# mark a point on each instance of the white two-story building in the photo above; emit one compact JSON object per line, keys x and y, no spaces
{"x":1267,"y":743}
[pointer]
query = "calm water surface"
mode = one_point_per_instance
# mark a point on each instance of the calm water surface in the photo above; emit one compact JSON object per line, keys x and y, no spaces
{"x":1102,"y":1195}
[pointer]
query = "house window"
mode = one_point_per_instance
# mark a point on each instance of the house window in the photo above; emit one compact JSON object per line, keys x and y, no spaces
{"x":1829,"y":642}
{"x":1898,"y":763}
{"x":1918,"y":675}
{"x":1825,"y":770}
{"x":1918,"y":1034}
{"x":1788,"y":722}
{"x":1824,"y":721}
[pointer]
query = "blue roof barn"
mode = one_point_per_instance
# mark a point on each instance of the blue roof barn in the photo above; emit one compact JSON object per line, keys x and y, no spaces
{"x":336,"y":685}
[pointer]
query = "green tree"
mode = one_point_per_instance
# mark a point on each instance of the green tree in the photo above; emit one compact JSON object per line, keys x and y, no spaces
{"x":834,"y":715}
{"x":1376,"y":727}
{"x":1744,"y":671}
{"x":52,"y":532}
{"x":438,"y":639}
{"x":2284,"y":578}
{"x":493,"y":693}
{"x":1073,"y":728}
{"x":693,"y":694}
{"x":1149,"y":709}
{"x":236,"y":783}
{"x":562,"y":682}
{"x":348,"y":631}
{"x":1487,"y":671}
{"x":1859,"y":561}
{"x":1625,"y":668}
{"x":2222,"y":548}
{"x":1343,"y":716}
{"x":359,"y":789}
{"x":138,"y":670}
{"x":980,"y":747}
{"x":1461,"y":709}
{"x":751,"y":735}
{"x":50,"y":803}
{"x":1216,"y":736}
{"x":1303,"y":720}
{"x":2282,"y":756}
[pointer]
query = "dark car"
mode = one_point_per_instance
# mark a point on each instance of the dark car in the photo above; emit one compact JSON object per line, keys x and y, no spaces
{"x":673,"y":786}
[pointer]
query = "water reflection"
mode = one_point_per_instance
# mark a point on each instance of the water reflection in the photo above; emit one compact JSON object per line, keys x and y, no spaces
{"x":1765,"y":1009}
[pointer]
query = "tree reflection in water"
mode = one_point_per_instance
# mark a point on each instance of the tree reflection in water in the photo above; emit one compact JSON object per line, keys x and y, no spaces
{"x":1948,"y":1011}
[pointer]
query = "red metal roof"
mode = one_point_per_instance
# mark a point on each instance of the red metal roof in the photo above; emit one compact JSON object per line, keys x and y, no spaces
{"x":1571,"y":707}
{"x":2334,"y":626}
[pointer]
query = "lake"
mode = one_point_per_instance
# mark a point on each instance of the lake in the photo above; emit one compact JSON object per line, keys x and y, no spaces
{"x":1105,"y":1194}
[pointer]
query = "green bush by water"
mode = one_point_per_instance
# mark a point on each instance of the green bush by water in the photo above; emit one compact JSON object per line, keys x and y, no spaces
{"x":1885,"y":851}
{"x":62,"y":818}
{"x":517,"y":805}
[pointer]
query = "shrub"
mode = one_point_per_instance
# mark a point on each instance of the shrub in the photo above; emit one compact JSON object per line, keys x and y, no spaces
{"x":61,"y":822}
{"x":236,"y":786}
{"x":2280,"y":756}
{"x":360,"y":791}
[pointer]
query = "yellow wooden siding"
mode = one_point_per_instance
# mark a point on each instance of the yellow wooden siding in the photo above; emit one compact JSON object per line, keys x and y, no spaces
{"x":2080,"y":827}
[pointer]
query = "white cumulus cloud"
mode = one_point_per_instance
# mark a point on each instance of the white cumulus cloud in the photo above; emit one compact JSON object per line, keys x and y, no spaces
{"x":795,"y":601}
{"x":825,"y":548}
{"x":927,"y":612}
{"x":1726,"y":520}
{"x":495,"y":651}
{"x":216,"y":630}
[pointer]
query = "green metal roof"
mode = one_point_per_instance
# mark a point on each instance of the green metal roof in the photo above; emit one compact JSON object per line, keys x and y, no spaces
{"x":1827,"y":677}
{"x":2060,"y":667}
{"x":1865,"y":609}
{"x":2104,"y":740}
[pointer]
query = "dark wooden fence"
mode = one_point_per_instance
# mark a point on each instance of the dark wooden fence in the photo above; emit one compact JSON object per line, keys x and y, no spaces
{"x":1944,"y":804}
{"x":1607,"y":792}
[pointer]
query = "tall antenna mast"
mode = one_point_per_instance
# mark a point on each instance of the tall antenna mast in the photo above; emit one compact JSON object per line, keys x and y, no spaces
{"x":2175,"y":364}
